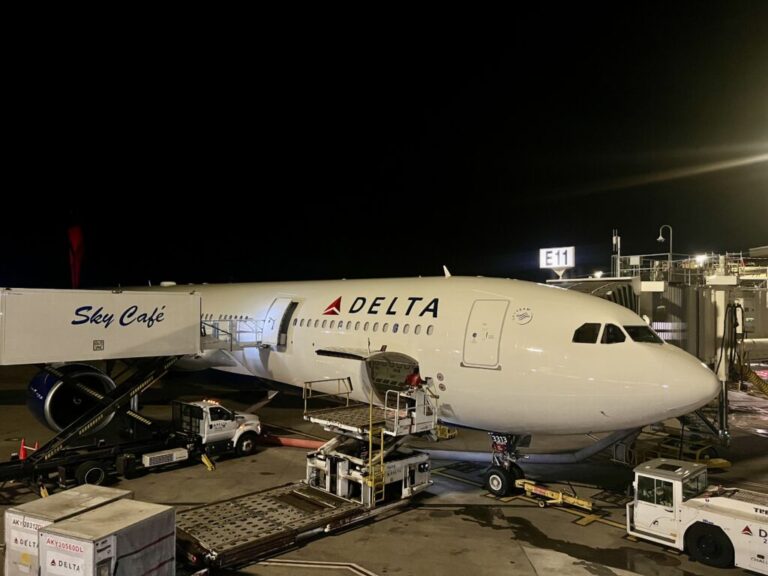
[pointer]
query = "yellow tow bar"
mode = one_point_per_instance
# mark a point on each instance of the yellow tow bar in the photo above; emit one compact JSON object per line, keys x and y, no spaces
{"x":545,"y":496}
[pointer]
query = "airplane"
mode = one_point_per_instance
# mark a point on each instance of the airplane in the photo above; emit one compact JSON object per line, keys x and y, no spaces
{"x":510,"y":357}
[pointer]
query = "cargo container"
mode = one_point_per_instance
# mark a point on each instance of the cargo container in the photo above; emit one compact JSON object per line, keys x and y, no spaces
{"x":124,"y":538}
{"x":23,"y":522}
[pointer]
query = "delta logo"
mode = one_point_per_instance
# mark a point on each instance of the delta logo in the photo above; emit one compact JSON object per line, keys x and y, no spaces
{"x":334,"y":309}
{"x":410,"y":306}
{"x":761,"y":532}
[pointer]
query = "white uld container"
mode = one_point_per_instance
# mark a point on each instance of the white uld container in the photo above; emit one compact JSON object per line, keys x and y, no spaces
{"x":124,"y":538}
{"x":23,"y":522}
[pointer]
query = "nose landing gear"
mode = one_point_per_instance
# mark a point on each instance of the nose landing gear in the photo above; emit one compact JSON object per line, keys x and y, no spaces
{"x":500,"y":479}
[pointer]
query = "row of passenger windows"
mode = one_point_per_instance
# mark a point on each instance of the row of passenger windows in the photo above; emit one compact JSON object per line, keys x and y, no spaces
{"x":612,"y":334}
{"x":364,"y":326}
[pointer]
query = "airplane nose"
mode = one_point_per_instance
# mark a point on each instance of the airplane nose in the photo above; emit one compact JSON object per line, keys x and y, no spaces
{"x":690,"y":384}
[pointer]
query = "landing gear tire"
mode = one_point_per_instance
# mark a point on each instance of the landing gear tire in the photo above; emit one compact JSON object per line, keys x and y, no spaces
{"x":709,"y":545}
{"x":497,"y":481}
{"x":91,"y":472}
{"x":501,"y":481}
{"x":246,"y":444}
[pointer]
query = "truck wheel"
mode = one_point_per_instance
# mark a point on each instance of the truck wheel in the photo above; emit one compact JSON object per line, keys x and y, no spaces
{"x":709,"y":545}
{"x":246,"y":444}
{"x":91,"y":472}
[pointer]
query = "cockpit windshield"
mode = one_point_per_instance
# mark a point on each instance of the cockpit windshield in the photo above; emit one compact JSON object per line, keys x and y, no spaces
{"x":587,"y":333}
{"x":643,"y":334}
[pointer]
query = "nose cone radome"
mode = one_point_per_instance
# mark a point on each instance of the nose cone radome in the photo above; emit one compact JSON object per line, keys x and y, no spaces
{"x":689,"y":383}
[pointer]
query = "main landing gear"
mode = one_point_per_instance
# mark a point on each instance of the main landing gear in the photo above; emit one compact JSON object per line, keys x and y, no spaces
{"x":500,"y":479}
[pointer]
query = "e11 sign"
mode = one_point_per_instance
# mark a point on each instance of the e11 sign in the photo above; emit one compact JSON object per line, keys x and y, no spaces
{"x":557,"y":258}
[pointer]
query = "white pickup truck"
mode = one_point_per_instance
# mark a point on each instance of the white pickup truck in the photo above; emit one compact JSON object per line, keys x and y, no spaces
{"x":214,"y":428}
{"x":674,"y":505}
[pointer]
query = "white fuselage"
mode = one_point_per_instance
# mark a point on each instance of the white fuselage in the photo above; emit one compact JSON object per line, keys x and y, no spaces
{"x":500,"y":351}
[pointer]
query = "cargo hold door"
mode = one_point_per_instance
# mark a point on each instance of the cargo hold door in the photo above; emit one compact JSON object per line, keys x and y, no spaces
{"x":482,"y":339}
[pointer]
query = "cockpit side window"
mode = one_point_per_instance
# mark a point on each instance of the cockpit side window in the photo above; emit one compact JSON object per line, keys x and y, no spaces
{"x":612,"y":335}
{"x":586,"y":333}
{"x":643,"y":334}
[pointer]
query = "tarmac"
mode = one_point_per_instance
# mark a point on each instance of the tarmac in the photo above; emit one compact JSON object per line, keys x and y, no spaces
{"x":455,"y":527}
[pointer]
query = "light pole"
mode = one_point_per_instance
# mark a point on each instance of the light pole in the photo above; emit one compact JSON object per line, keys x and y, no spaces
{"x":669,"y":256}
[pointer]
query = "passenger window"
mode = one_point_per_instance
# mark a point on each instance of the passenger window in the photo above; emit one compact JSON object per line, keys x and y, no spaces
{"x":586,"y":333}
{"x":643,"y":334}
{"x":365,"y":328}
{"x":218,"y":413}
{"x":341,"y":325}
{"x":301,"y":324}
{"x":333,"y":324}
{"x":406,"y":328}
{"x":325,"y":323}
{"x":375,"y":326}
{"x":317,"y":322}
{"x":612,"y":335}
{"x":395,"y":328}
{"x":430,"y":329}
{"x":357,"y":326}
{"x":417,"y":329}
{"x":349,"y":325}
{"x":385,"y":328}
{"x":295,"y":321}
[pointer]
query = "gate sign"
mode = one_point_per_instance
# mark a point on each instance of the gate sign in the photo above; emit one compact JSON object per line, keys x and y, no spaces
{"x":557,"y":259}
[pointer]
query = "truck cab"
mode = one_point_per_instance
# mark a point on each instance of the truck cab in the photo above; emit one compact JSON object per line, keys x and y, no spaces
{"x":674,"y":505}
{"x":215,"y":427}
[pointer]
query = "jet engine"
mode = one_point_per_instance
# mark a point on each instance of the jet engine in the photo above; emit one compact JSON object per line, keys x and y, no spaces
{"x":58,"y":400}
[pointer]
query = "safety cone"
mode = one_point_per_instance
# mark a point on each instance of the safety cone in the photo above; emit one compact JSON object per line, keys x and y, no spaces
{"x":22,"y":451}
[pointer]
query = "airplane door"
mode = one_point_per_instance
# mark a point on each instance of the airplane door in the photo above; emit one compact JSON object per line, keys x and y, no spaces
{"x":273,"y":321}
{"x":482,"y":339}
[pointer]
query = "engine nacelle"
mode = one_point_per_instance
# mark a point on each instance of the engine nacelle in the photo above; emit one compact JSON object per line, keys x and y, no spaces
{"x":58,"y":401}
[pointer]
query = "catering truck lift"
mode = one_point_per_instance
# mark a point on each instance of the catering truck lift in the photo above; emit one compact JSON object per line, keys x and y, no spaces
{"x":674,"y":505}
{"x":362,"y":472}
{"x":76,"y":400}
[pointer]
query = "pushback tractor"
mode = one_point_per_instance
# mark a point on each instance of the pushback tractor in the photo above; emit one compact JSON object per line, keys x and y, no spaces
{"x":675,"y":505}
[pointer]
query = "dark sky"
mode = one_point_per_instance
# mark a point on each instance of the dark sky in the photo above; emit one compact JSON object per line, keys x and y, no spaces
{"x":299,"y":152}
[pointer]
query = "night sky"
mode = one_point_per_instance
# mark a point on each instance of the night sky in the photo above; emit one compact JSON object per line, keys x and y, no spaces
{"x":298,"y":152}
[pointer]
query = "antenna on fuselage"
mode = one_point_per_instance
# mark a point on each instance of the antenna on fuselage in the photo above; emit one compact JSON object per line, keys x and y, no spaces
{"x":446,"y":271}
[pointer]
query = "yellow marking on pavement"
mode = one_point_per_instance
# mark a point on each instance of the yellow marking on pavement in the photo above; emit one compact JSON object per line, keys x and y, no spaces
{"x":464,"y":480}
